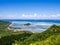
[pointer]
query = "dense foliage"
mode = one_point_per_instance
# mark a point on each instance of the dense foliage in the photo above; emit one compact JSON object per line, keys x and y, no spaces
{"x":49,"y":37}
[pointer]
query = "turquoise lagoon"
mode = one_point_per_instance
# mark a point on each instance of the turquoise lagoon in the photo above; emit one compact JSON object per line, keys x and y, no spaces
{"x":34,"y":27}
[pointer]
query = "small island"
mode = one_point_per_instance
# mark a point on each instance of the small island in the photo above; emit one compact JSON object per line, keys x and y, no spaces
{"x":27,"y":24}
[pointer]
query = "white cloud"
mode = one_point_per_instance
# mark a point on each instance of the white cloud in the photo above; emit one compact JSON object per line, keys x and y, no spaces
{"x":34,"y":16}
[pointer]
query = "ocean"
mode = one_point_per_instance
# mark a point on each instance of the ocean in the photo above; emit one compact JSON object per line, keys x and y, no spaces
{"x":36,"y":25}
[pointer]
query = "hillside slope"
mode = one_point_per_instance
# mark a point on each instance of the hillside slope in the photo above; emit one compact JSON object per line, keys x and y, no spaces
{"x":49,"y":37}
{"x":52,"y":40}
{"x":3,"y":24}
{"x":52,"y":31}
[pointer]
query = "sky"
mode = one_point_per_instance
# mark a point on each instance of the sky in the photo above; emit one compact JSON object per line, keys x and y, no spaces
{"x":30,"y":9}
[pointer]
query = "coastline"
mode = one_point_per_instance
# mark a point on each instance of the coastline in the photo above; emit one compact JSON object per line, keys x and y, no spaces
{"x":40,"y":26}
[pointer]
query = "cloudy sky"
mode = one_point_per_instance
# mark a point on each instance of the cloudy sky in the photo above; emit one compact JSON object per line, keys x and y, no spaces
{"x":30,"y":9}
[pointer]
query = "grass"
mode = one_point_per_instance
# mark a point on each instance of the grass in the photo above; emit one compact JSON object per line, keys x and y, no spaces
{"x":52,"y":40}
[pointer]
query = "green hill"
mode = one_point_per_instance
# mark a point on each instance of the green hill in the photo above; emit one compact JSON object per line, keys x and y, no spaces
{"x":4,"y":24}
{"x":52,"y":40}
{"x":49,"y":37}
{"x":3,"y":28}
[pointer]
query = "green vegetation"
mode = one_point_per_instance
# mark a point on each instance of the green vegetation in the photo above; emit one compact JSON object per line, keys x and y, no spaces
{"x":49,"y":37}
{"x":27,"y":24}
{"x":4,"y":24}
{"x":52,"y":40}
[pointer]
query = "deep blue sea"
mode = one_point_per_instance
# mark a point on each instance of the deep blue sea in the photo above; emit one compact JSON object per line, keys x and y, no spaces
{"x":36,"y":25}
{"x":10,"y":20}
